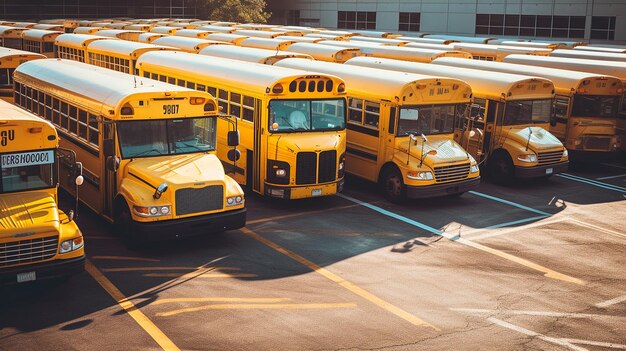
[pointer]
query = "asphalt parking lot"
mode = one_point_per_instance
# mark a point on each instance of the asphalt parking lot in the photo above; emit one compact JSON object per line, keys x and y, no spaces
{"x":536,"y":265}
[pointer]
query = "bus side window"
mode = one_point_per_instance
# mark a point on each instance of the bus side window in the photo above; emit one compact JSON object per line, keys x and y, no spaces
{"x":248,"y":108}
{"x":222,"y":101}
{"x":392,"y":121}
{"x":372,"y":114}
{"x":355,"y":110}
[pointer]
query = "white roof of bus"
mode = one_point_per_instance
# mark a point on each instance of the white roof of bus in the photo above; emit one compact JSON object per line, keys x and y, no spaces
{"x":460,"y":38}
{"x":493,"y":48}
{"x":123,"y":47}
{"x":238,"y":73}
{"x":7,"y":52}
{"x":600,"y":49}
{"x":248,"y":54}
{"x":115,"y":32}
{"x":192,"y":32}
{"x":608,"y":56}
{"x":8,"y":28}
{"x":362,"y":79}
{"x":164,"y":29}
{"x":496,"y":84}
{"x":426,"y":40}
{"x":613,"y":68}
{"x":431,"y":46}
{"x":560,"y":77}
{"x":226,"y":37}
{"x":309,"y":48}
{"x":144,"y":37}
{"x":384,"y":41}
{"x":79,"y":41}
{"x":302,"y":39}
{"x":98,"y":84}
{"x":47,"y":26}
{"x":219,"y":29}
{"x":38,"y":34}
{"x":350,"y":44}
{"x":187,"y":43}
{"x":12,"y":113}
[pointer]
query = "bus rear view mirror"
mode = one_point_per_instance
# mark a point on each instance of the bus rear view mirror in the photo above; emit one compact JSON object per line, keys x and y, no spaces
{"x":233,"y":138}
{"x":233,"y":155}
{"x":109,"y":147}
{"x":113,"y":163}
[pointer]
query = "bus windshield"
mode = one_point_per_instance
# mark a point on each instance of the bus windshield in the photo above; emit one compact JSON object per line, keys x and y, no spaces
{"x":527,"y":112}
{"x":307,"y":115}
{"x":166,"y":136}
{"x":429,"y":119}
{"x":595,"y":106}
{"x":27,"y":171}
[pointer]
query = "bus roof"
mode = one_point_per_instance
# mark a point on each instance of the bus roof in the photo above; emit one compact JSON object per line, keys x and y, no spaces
{"x":265,"y":34}
{"x":460,"y":38}
{"x":115,"y":32}
{"x":4,"y":29}
{"x":489,"y":49}
{"x":250,"y":54}
{"x":266,"y":43}
{"x":612,"y":68}
{"x":219,"y":29}
{"x":230,"y":38}
{"x":164,"y":30}
{"x":46,"y":26}
{"x":362,"y":79}
{"x":187,"y":44}
{"x":607,"y":56}
{"x":6,"y":53}
{"x":426,"y":40}
{"x":420,"y":45}
{"x":302,"y":39}
{"x":123,"y":47}
{"x":384,"y":41}
{"x":562,"y":79}
{"x":600,"y":49}
{"x":100,"y":85}
{"x":40,"y":34}
{"x":87,"y":30}
{"x":78,"y":41}
{"x":531,"y":44}
{"x":12,"y":116}
{"x":375,"y":34}
{"x":148,"y":37}
{"x":193,"y":33}
{"x":325,"y":52}
{"x":493,"y":86}
{"x":245,"y":75}
{"x":403,"y":52}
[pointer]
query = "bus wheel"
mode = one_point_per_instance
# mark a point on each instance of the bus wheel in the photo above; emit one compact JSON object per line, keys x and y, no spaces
{"x":501,"y":168}
{"x":123,"y":225}
{"x":393,"y":186}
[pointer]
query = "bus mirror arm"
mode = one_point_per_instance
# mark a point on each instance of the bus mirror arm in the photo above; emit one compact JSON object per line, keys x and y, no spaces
{"x":78,"y":181}
{"x":553,"y":121}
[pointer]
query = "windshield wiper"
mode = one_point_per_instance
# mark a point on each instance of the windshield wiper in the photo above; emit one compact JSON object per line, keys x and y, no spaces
{"x":143,"y":153}
{"x":189,"y":145}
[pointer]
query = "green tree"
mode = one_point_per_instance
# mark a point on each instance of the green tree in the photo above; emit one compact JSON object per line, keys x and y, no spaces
{"x":244,"y":11}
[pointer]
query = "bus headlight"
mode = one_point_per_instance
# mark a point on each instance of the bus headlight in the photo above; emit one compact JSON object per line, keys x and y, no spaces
{"x":565,"y":154}
{"x":234,"y":200}
{"x":71,"y":245}
{"x":474,"y":168}
{"x":281,"y":172}
{"x":152,"y":211}
{"x":416,"y":175}
{"x":341,"y":167}
{"x":528,"y":158}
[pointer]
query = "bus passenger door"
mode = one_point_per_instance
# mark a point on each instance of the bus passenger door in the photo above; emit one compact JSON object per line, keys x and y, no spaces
{"x":558,"y":123}
{"x":260,"y":144}
{"x":490,"y":133}
{"x":110,"y":173}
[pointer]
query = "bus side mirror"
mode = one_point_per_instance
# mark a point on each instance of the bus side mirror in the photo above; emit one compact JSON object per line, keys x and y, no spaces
{"x":233,"y":138}
{"x":109,"y":147}
{"x":553,"y":121}
{"x":113,"y":163}
{"x":234,"y":155}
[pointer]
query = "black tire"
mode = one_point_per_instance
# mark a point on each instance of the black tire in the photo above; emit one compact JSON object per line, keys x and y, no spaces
{"x":501,"y":169}
{"x":123,"y":223}
{"x":393,"y":186}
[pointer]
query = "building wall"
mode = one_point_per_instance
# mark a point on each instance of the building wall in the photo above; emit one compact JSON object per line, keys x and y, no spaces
{"x":456,"y":17}
{"x":87,"y":9}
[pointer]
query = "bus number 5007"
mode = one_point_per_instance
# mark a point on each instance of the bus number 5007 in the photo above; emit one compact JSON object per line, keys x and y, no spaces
{"x":170,"y":109}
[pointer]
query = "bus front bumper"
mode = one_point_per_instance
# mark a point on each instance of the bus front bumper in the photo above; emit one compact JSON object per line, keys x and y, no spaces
{"x":541,"y":171}
{"x":43,"y":270}
{"x":303,"y":192}
{"x":190,"y":226}
{"x":437,"y":190}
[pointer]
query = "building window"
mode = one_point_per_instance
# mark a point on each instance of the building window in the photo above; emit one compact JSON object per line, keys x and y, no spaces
{"x":293,"y":17}
{"x":409,"y":21}
{"x":356,"y":20}
{"x":531,"y":25}
{"x":603,"y":27}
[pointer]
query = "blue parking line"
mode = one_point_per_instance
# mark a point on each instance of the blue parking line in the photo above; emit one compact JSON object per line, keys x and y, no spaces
{"x":511,"y":203}
{"x":515,"y":222}
{"x":592,"y":182}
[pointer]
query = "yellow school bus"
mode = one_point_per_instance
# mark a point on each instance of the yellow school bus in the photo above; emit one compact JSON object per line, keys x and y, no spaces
{"x":193,"y":45}
{"x":264,"y":56}
{"x":132,"y":35}
{"x":40,"y":41}
{"x":37,"y":239}
{"x":266,"y":43}
{"x":609,"y":68}
{"x":149,"y":37}
{"x":292,"y":123}
{"x":88,"y":30}
{"x":193,"y":33}
{"x":9,"y":60}
{"x":119,"y":55}
{"x":11,"y":37}
{"x":325,"y":52}
{"x":589,"y":55}
{"x":585,"y":107}
{"x":491,"y":52}
{"x":74,"y":46}
{"x":397,"y":53}
{"x":147,"y":148}
{"x":68,"y":24}
{"x":400,"y":130}
{"x":506,"y":127}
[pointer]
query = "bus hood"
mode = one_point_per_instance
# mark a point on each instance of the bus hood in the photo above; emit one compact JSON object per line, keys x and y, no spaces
{"x":540,"y":139}
{"x":177,"y":170}
{"x":296,"y":142}
{"x":26,"y":214}
{"x":447,"y":150}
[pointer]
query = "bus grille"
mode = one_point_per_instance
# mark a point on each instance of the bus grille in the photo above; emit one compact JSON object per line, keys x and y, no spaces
{"x":454,"y":172}
{"x":31,"y":250}
{"x":550,"y":157}
{"x":328,"y":166}
{"x":597,"y":143}
{"x":194,"y":200}
{"x":306,"y":168}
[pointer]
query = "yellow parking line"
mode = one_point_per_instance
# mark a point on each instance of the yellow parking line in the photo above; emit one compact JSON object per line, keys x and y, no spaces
{"x":125,"y":258}
{"x":268,"y":219}
{"x":221,"y":299}
{"x":141,"y":319}
{"x":340,"y":281}
{"x":604,"y":230}
{"x":293,"y":306}
{"x":139,"y":269}
{"x":206,"y":275}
